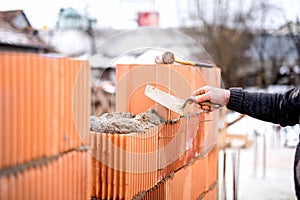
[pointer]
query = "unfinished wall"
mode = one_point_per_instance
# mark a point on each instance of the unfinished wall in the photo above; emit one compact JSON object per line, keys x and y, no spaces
{"x":44,"y":126}
{"x":177,"y":159}
{"x":41,"y":153}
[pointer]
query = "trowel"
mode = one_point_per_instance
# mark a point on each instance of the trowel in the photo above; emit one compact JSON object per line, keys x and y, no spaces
{"x":171,"y":102}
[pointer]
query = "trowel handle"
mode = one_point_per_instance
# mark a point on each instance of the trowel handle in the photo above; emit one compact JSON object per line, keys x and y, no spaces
{"x":210,"y":104}
{"x":205,"y":103}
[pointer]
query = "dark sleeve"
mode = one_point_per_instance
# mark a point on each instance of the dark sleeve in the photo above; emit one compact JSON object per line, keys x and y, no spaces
{"x":283,"y":109}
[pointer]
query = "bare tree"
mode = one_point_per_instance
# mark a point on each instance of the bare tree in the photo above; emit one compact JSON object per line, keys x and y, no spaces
{"x":266,"y":46}
{"x":224,"y":28}
{"x":277,"y":57}
{"x":295,"y":36}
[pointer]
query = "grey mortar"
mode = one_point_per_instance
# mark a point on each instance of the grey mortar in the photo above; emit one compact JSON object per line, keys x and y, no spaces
{"x":125,"y":122}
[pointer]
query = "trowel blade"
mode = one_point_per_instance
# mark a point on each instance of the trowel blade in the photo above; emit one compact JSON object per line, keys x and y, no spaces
{"x":169,"y":101}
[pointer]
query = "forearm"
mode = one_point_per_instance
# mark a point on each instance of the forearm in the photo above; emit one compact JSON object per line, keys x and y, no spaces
{"x":276,"y":108}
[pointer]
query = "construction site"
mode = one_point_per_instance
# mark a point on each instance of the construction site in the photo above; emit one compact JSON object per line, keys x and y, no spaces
{"x":60,"y":150}
{"x":149,"y":157}
{"x":119,"y":121}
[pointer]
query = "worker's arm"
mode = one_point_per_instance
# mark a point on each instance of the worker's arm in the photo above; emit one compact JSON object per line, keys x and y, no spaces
{"x":283,"y":109}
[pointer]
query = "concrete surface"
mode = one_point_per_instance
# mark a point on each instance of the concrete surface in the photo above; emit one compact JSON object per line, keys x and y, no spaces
{"x":277,"y":182}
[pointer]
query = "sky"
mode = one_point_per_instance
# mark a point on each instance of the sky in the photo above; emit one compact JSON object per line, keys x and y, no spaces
{"x":112,"y":13}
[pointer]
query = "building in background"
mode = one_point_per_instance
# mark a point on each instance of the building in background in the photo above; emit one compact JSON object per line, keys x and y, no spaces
{"x":78,"y":34}
{"x":17,"y":34}
{"x":74,"y":33}
{"x":274,"y":57}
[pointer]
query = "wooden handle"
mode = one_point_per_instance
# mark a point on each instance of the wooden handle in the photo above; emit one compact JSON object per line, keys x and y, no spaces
{"x":205,"y":103}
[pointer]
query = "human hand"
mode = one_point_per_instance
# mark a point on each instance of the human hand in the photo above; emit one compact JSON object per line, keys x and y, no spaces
{"x":211,"y":94}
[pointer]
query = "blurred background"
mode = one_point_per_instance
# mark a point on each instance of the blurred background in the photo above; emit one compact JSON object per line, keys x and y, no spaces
{"x":255,"y":43}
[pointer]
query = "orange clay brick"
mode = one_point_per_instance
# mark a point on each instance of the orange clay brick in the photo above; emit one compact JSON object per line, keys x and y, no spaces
{"x":178,"y":80}
{"x":67,"y":177}
{"x":38,"y":106}
{"x":124,"y":164}
{"x":113,"y":182}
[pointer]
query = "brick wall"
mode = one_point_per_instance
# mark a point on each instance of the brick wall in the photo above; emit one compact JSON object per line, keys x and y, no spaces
{"x":186,"y":170}
{"x":44,"y":132}
{"x":41,"y":151}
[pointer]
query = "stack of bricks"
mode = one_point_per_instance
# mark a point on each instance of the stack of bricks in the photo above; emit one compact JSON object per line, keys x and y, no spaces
{"x":43,"y":108}
{"x":174,"y":160}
